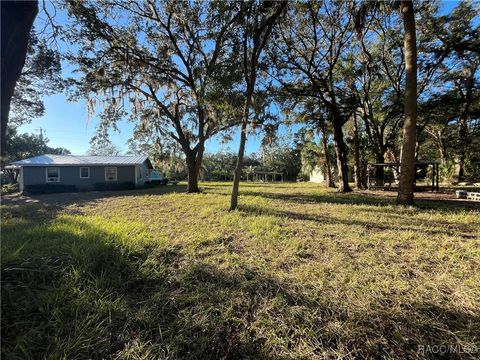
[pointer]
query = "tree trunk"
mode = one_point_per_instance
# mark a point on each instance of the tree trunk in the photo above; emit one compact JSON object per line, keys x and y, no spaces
{"x":363,"y":174}
{"x":441,"y":148}
{"x":241,"y":152}
{"x":460,"y":166}
{"x":328,"y":170}
{"x":16,"y":22}
{"x":407,"y":168}
{"x":379,"y":170}
{"x":341,"y":152}
{"x":192,"y":186}
{"x":358,"y":183}
{"x":194,"y":162}
{"x":463,"y":122}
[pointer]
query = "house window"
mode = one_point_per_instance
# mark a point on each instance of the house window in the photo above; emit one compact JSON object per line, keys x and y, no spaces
{"x":53,"y":174}
{"x":84,"y":173}
{"x":110,"y":174}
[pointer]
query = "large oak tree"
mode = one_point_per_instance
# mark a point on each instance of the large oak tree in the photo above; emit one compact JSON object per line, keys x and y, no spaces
{"x":166,"y":66}
{"x":314,"y":38}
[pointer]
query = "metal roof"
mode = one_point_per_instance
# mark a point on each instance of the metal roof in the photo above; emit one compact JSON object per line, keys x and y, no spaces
{"x":81,"y":160}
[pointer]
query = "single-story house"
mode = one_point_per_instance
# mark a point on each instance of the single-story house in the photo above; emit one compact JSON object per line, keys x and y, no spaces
{"x":82,"y":173}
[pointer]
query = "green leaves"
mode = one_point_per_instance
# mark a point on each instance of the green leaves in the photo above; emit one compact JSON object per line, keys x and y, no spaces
{"x":41,"y":76}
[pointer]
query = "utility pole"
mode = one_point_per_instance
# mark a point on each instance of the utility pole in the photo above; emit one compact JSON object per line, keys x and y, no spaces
{"x":41,"y":132}
{"x":42,"y":139}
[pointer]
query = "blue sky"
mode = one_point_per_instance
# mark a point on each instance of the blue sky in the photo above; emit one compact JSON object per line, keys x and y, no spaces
{"x":66,"y":124}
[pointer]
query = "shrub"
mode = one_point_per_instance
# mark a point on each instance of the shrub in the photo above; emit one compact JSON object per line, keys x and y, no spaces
{"x":10,"y":188}
{"x":127,"y":185}
{"x":153,"y":183}
{"x":49,"y":188}
{"x":447,"y":171}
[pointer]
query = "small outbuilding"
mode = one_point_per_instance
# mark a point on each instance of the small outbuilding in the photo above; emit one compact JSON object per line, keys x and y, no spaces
{"x":265,"y":176}
{"x":317,"y":175}
{"x":56,"y":173}
{"x":386,"y":175}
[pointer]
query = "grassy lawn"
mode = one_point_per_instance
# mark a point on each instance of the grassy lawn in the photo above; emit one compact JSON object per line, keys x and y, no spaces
{"x":299,"y":272}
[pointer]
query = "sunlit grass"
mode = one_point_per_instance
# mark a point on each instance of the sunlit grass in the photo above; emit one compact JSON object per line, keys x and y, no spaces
{"x":298,"y":271}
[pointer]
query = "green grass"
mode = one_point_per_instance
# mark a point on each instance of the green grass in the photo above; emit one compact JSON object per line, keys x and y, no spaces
{"x":299,"y":272}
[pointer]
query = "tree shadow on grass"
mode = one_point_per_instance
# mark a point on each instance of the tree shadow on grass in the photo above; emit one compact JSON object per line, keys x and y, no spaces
{"x":465,"y":231}
{"x":228,"y":185}
{"x":335,"y":198}
{"x":417,"y":330}
{"x":70,"y":290}
{"x":362,"y":199}
{"x":84,"y":197}
{"x":79,"y":294}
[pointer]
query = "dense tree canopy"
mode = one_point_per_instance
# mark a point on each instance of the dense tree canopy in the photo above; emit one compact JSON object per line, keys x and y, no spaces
{"x":40,"y":76}
{"x":103,"y":148}
{"x":186,"y":72}
{"x":21,"y":146}
{"x":309,"y":58}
